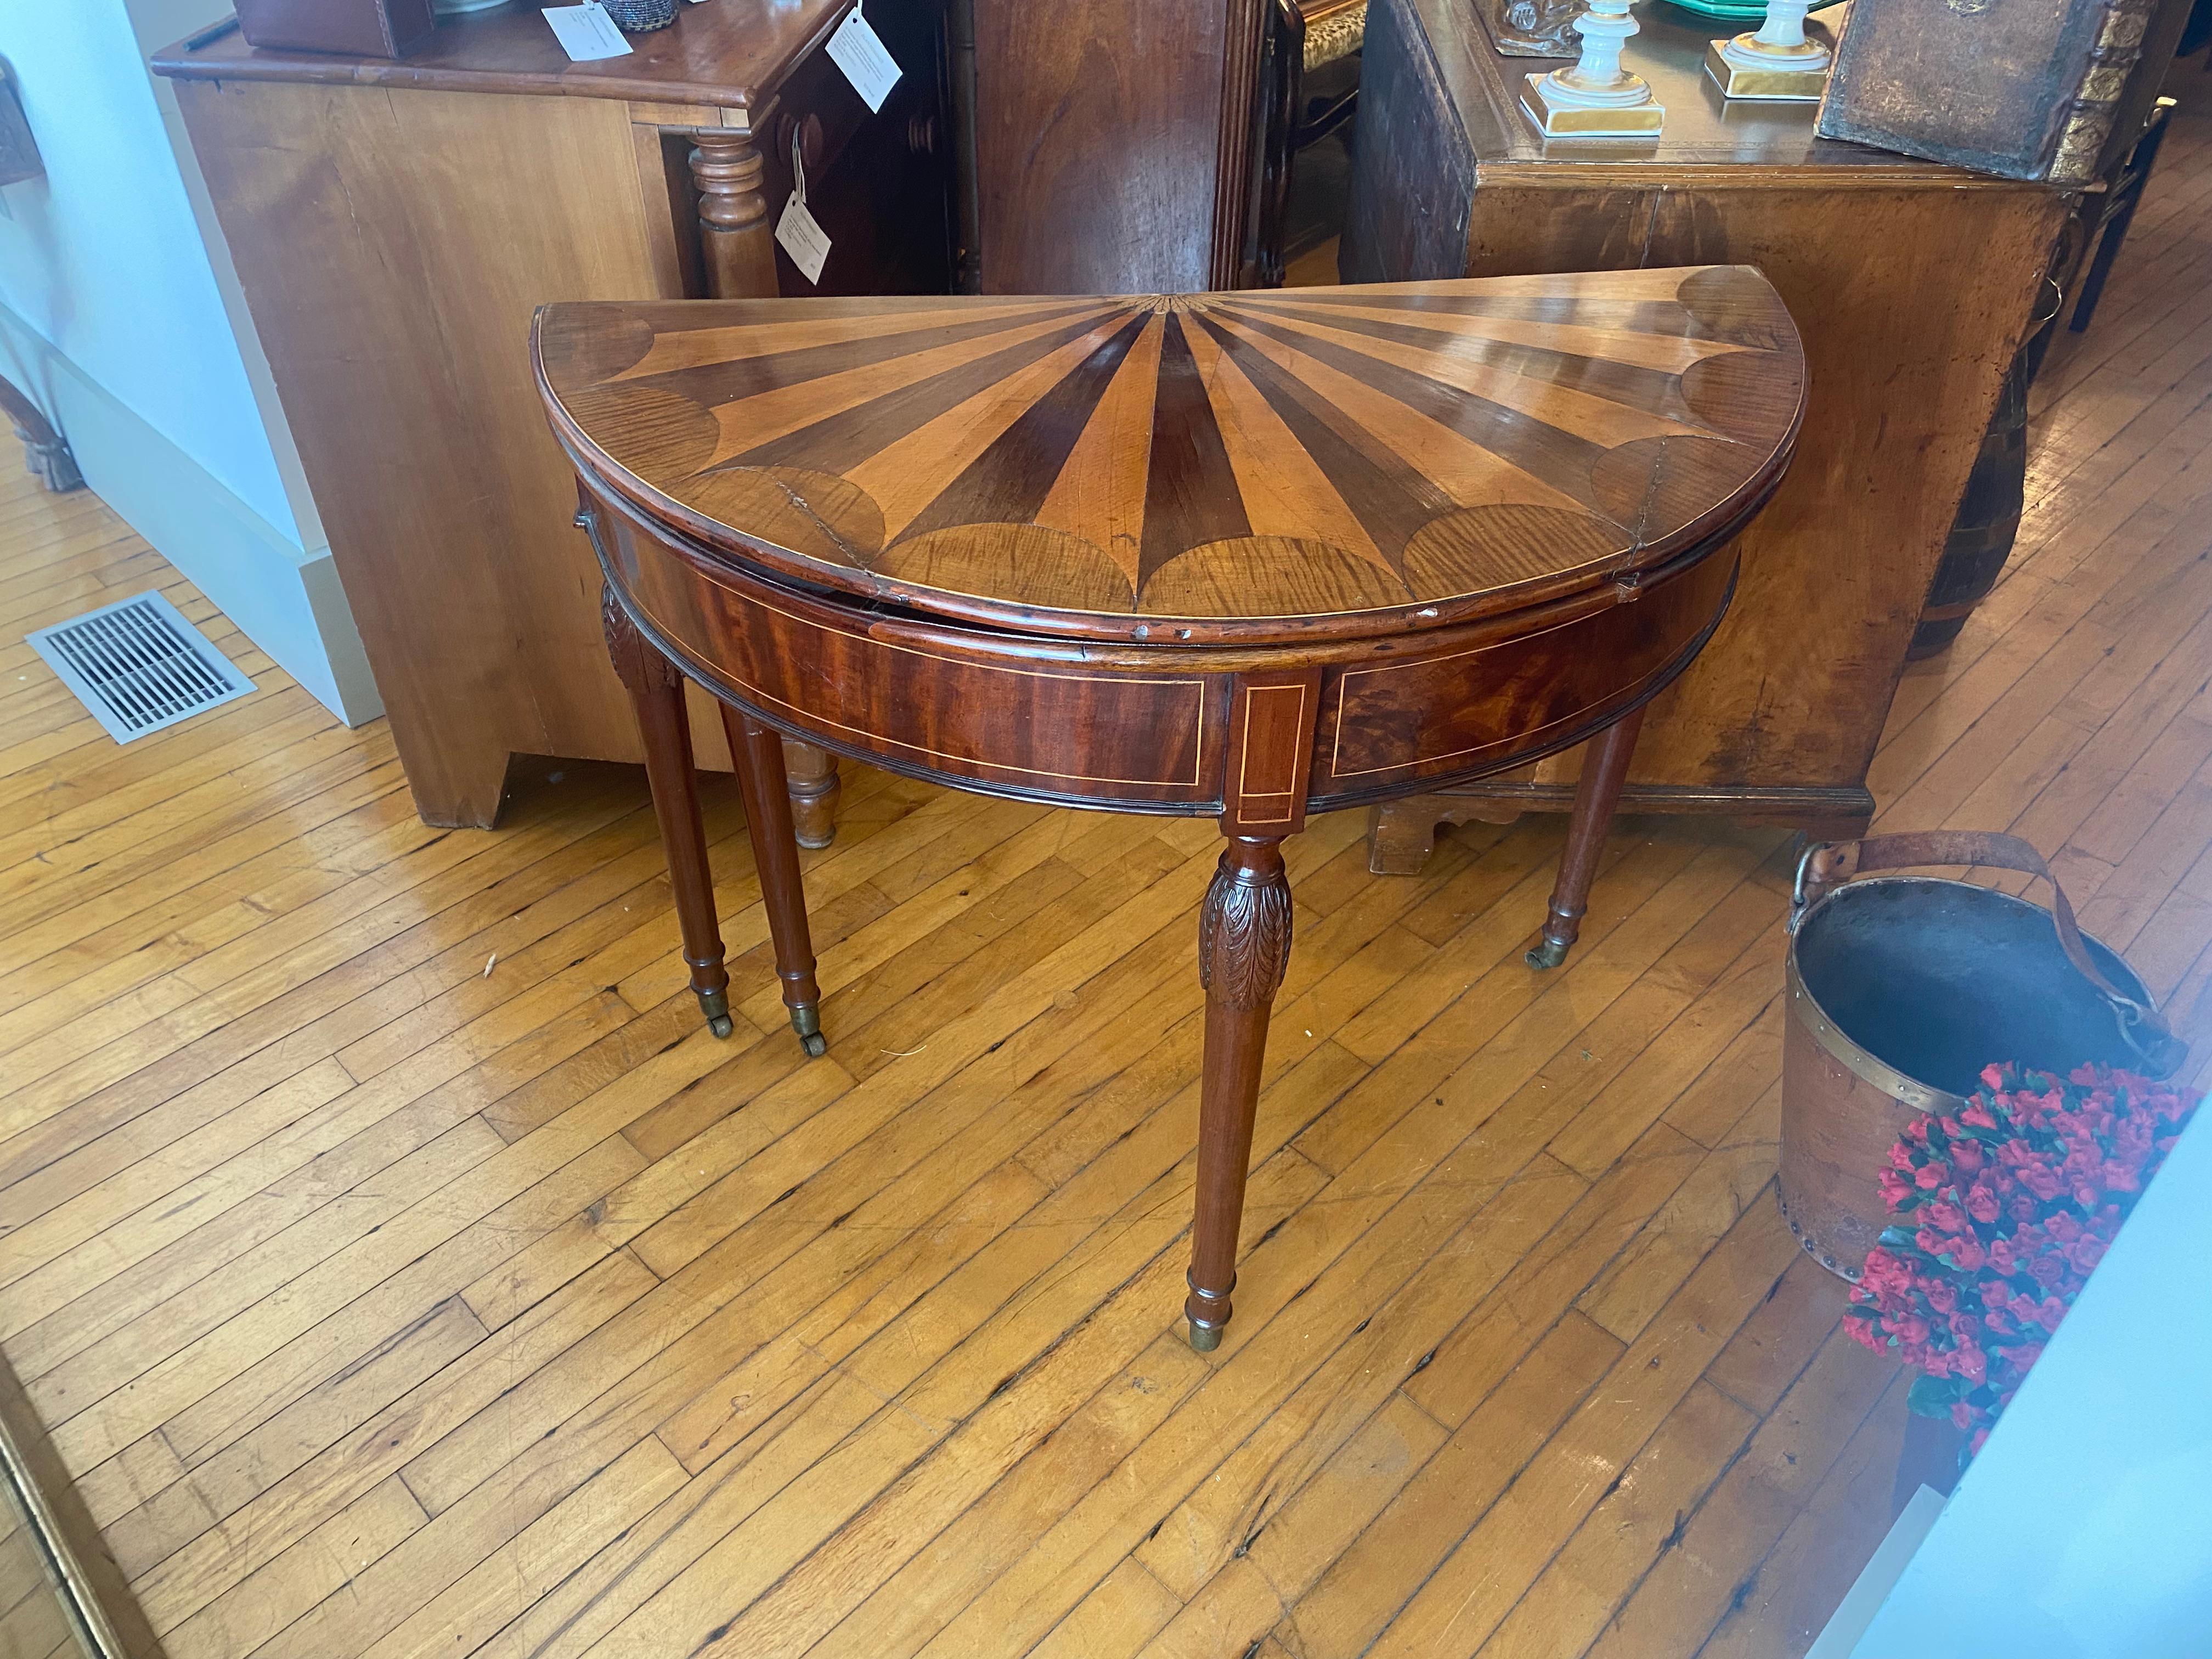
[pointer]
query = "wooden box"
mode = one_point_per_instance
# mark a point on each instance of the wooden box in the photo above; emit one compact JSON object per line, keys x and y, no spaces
{"x":2031,"y":92}
{"x":368,"y":28}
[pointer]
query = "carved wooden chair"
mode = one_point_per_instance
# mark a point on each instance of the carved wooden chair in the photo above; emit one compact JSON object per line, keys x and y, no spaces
{"x":1310,"y":82}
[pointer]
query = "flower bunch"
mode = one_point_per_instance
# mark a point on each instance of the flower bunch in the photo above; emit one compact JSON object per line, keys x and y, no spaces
{"x":2002,"y":1211}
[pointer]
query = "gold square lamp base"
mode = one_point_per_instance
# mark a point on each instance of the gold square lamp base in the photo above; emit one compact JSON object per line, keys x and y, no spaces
{"x":1765,"y":85}
{"x":1558,"y":120}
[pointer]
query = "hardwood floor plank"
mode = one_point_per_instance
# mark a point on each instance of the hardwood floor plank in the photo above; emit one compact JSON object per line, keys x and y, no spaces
{"x":402,"y":1267}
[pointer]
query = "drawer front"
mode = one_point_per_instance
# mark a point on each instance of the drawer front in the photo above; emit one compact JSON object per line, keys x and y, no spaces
{"x":1146,"y":740}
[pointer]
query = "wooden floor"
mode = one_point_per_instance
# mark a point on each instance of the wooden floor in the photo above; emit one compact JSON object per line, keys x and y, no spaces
{"x":401,"y":1269}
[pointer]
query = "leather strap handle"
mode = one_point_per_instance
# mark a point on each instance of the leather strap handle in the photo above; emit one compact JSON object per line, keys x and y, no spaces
{"x":1829,"y":864}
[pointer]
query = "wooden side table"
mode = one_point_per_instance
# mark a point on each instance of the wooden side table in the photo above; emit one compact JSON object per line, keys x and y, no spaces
{"x":1240,"y":555}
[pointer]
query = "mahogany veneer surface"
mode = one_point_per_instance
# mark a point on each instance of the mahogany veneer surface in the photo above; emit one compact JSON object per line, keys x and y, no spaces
{"x":728,"y":54}
{"x":1255,"y":467}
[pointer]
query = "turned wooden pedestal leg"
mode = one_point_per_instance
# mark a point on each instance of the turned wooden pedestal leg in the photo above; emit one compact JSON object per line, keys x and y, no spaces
{"x":1243,"y":946}
{"x":810,"y":775}
{"x":1605,"y":768}
{"x":658,"y":691}
{"x":758,"y":753}
{"x":736,"y":251}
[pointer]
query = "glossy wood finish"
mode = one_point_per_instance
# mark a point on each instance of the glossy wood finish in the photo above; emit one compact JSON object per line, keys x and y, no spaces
{"x":1112,"y":143}
{"x":1605,"y":768}
{"x":394,"y":225}
{"x":759,"y":755}
{"x":1248,"y":557}
{"x":1779,"y":720}
{"x":1229,"y":468}
{"x":730,"y":55}
{"x":273,"y":1139}
{"x":656,"y":692}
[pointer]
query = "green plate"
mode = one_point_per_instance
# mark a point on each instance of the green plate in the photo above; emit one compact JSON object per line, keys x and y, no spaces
{"x":1733,"y":10}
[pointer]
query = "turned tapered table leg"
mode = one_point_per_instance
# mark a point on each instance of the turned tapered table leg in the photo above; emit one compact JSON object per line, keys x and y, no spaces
{"x":736,"y":251}
{"x":657,"y":689}
{"x":758,"y":754}
{"x":1243,"y":946}
{"x":811,"y":781}
{"x":1605,"y":768}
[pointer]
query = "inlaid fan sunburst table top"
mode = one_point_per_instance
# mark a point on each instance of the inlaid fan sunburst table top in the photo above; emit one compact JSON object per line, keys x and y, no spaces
{"x":1245,"y":555}
{"x":1239,"y":466}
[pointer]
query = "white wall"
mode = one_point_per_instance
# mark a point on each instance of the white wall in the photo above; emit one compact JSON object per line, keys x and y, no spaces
{"x":118,"y":318}
{"x":2084,"y":1529}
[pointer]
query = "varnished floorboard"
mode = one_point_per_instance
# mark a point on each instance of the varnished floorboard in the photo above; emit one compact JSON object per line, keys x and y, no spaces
{"x":401,"y":1270}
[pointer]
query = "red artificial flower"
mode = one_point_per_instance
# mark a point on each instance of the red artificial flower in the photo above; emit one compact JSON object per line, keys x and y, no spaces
{"x":2035,"y":1179}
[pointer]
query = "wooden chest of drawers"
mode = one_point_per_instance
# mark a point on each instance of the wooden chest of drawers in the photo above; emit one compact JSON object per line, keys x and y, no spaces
{"x":395,"y":224}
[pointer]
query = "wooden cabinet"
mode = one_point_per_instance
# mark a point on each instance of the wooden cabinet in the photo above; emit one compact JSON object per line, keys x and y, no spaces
{"x":1112,"y":145}
{"x":1912,"y":285}
{"x":396,"y":224}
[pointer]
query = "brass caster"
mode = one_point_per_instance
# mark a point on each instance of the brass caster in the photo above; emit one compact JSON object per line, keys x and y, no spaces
{"x":715,"y":1005}
{"x":1549,"y":953}
{"x":815,"y":1046}
{"x":1205,"y":1338}
{"x":806,"y":1020}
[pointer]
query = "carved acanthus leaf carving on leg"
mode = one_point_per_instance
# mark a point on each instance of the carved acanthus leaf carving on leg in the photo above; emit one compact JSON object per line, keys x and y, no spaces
{"x":638,"y":664}
{"x":1244,"y":927}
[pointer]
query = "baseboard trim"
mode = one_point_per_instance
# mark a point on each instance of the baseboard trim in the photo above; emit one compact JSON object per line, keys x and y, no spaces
{"x":286,"y":600}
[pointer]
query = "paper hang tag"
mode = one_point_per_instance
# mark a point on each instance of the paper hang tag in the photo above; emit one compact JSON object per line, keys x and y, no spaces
{"x":801,"y":234}
{"x":859,"y":51}
{"x":586,"y":32}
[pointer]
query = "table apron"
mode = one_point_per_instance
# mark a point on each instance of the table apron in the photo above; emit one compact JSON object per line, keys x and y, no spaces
{"x":1153,"y":734}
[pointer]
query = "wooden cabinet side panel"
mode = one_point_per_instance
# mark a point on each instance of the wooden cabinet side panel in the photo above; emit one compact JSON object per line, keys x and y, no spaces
{"x":1910,"y":301}
{"x":1412,"y":170}
{"x":392,"y":245}
{"x":1098,"y":124}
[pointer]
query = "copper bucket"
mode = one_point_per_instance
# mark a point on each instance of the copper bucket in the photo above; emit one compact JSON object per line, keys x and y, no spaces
{"x":1903,"y":988}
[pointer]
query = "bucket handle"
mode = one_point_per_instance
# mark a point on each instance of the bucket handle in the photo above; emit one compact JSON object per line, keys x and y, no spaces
{"x":1827,"y":864}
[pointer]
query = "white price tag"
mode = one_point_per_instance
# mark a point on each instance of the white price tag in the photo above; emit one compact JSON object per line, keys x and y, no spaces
{"x":859,"y":51}
{"x":800,"y":232}
{"x":805,"y":241}
{"x":586,"y":32}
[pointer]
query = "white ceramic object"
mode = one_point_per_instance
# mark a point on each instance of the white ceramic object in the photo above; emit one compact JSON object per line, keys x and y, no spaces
{"x":1596,"y":98}
{"x":455,"y":8}
{"x":1779,"y":42}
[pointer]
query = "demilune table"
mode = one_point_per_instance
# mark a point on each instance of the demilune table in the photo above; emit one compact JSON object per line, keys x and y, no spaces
{"x":1249,"y":556}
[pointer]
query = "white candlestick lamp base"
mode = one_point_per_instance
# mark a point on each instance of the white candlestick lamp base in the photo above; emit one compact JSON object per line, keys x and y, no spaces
{"x":1597,"y":97}
{"x":1775,"y":64}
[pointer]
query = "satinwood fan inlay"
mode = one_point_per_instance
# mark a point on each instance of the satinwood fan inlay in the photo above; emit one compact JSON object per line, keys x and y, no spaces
{"x":1297,"y":453}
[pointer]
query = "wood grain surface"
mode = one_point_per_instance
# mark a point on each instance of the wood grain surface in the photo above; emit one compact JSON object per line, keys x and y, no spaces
{"x":381,"y":1303}
{"x":1410,"y":454}
{"x":394,"y":226}
{"x":1780,"y":719}
{"x":730,"y":54}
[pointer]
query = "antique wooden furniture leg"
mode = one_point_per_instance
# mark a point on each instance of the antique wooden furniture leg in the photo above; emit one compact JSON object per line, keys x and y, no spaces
{"x":1227,"y":667}
{"x":658,"y":691}
{"x":737,"y":246}
{"x":810,"y":779}
{"x":1605,"y":768}
{"x":1243,"y":946}
{"x":757,"y":752}
{"x":46,"y":451}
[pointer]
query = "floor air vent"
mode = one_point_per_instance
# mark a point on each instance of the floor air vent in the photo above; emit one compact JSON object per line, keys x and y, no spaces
{"x":138,"y":666}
